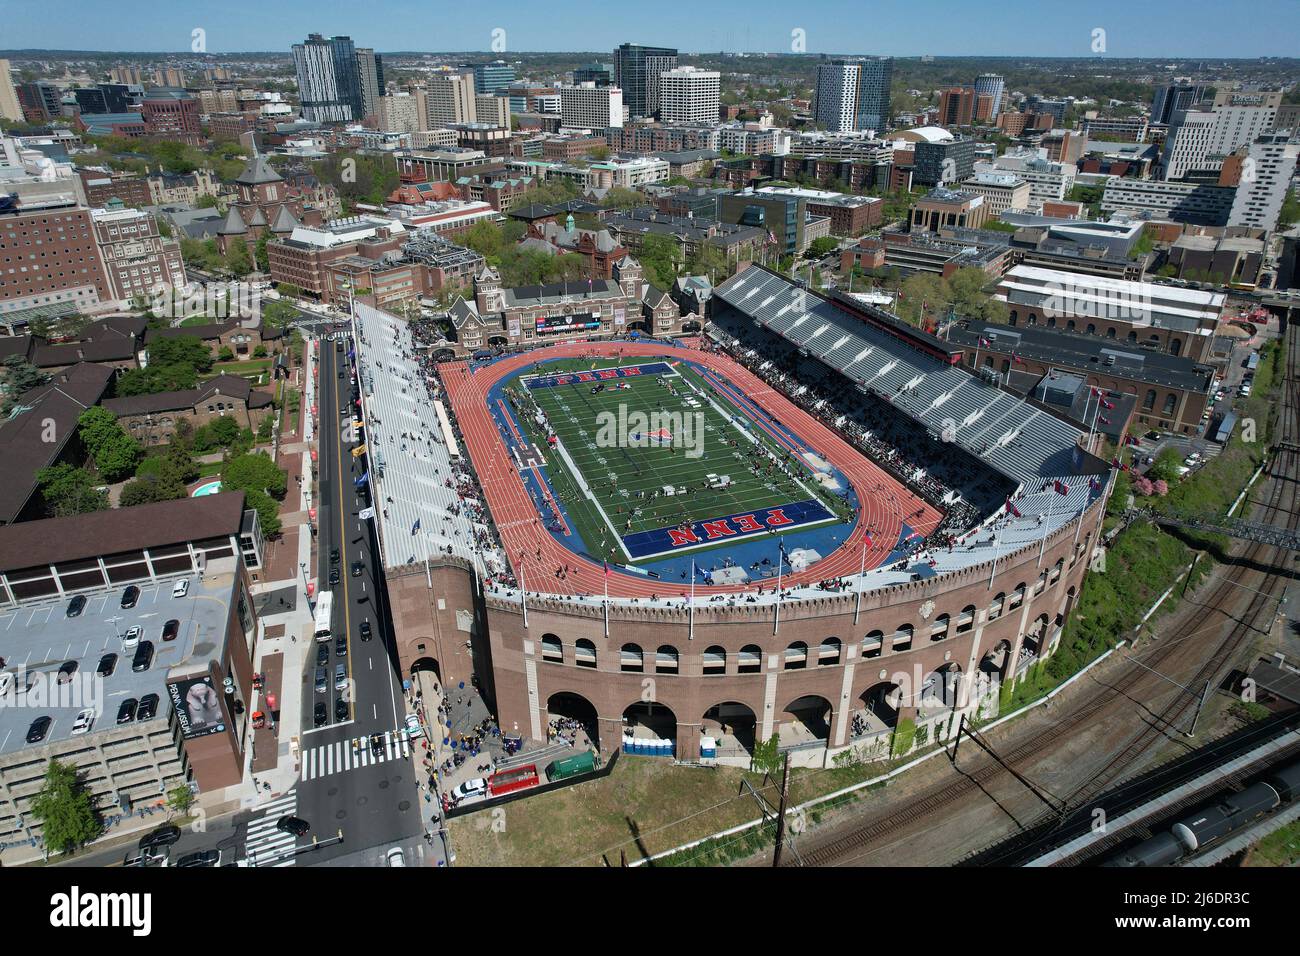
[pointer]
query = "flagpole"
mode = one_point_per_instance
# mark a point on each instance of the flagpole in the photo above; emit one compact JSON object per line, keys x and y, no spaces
{"x":780,"y":566}
{"x":1047,"y":523}
{"x":523,"y":589}
{"x":862,"y":569}
{"x":997,"y":543}
{"x":428,"y":575}
{"x":1083,"y":509}
{"x":690,"y":607}
{"x":607,"y":602}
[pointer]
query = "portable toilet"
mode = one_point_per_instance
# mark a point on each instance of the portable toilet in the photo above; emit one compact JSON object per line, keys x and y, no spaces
{"x":708,"y":748}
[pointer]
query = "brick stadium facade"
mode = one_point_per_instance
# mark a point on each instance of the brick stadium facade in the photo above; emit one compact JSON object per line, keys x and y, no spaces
{"x":1025,"y":606}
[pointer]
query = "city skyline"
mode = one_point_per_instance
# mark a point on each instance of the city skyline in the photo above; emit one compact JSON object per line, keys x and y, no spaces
{"x":834,"y":28}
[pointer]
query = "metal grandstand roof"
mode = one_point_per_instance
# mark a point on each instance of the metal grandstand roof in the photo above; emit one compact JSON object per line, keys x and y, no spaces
{"x":1013,"y":437}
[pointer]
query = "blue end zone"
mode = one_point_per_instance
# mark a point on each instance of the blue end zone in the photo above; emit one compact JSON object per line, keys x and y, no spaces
{"x":599,"y":375}
{"x":736,"y":527}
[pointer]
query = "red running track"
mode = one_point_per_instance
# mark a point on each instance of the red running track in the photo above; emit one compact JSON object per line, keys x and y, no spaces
{"x":884,"y":503}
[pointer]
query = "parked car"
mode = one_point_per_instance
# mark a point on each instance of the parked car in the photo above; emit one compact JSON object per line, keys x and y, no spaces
{"x":132,"y":636}
{"x":295,"y":825}
{"x":39,"y":728}
{"x":341,"y":709}
{"x":107,"y":664}
{"x":126,"y":712}
{"x":143,"y":657}
{"x":200,"y":858}
{"x":148,"y":707}
{"x":171,"y":629}
{"x":322,"y":655}
{"x":130,"y":596}
{"x":82,"y":724}
{"x":396,"y":857}
{"x":341,"y":677}
{"x":76,"y":605}
{"x":66,"y":670}
{"x":334,"y":556}
{"x":181,"y":588}
{"x":322,"y":680}
{"x":470,"y":788}
{"x":341,"y":645}
{"x":165,"y":835}
{"x":334,"y":576}
{"x":413,"y":726}
{"x":321,"y":714}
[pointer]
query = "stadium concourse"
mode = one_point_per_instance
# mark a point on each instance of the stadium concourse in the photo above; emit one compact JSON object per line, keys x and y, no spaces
{"x":885,"y":504}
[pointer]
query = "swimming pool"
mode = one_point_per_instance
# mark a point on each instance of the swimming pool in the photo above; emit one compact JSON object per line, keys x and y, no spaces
{"x":207,"y":488}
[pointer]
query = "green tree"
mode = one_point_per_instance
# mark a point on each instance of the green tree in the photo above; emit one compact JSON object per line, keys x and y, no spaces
{"x":206,"y":202}
{"x":260,"y":256}
{"x":289,"y":290}
{"x":237,"y":260}
{"x":622,"y":199}
{"x":181,"y":350}
{"x":254,"y":471}
{"x":19,"y":376}
{"x":69,"y":490}
{"x":66,"y":809}
{"x":660,"y":257}
{"x":143,"y":491}
{"x":115,"y":453}
{"x":822,"y":246}
{"x":277,"y":314}
{"x":767,"y":756}
{"x":921,"y":288}
{"x":157,"y":378}
{"x":180,"y":799}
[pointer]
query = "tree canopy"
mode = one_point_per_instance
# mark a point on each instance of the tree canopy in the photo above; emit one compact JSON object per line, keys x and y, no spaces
{"x":114,"y":452}
{"x":68,"y":490}
{"x":66,"y":809}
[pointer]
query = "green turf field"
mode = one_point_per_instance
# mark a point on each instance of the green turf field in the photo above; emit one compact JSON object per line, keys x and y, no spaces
{"x":625,"y":476}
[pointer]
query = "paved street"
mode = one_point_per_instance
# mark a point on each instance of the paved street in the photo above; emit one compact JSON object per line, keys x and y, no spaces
{"x":371,"y":796}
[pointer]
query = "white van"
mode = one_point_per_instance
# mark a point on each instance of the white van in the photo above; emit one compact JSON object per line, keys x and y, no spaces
{"x":181,"y":588}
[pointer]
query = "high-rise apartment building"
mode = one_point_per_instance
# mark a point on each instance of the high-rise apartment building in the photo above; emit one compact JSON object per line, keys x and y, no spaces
{"x":68,"y":269}
{"x":9,"y":108}
{"x":328,"y":85}
{"x":1199,"y":139}
{"x":135,"y":255}
{"x":636,"y":72}
{"x":852,"y":95}
{"x":1174,"y":97}
{"x":493,"y":110}
{"x":370,"y":77}
{"x":492,"y":78}
{"x":957,"y":106}
{"x":451,"y":99}
{"x":689,"y":95}
{"x":994,"y":86}
{"x":591,"y":107}
{"x":401,"y":113}
{"x":1266,"y":175}
{"x":602,"y":74}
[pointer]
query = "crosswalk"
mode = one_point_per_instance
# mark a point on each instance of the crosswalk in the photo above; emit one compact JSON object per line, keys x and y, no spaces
{"x":264,"y":845}
{"x":353,"y":753}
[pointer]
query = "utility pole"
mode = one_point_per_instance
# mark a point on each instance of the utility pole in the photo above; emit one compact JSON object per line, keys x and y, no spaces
{"x":780,"y":815}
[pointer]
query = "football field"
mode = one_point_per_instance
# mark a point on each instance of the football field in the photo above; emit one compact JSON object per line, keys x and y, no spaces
{"x":650,"y":461}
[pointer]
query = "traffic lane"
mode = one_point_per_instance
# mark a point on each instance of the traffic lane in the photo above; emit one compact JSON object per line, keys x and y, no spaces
{"x":375,"y":806}
{"x":374,"y":697}
{"x":224,"y":833}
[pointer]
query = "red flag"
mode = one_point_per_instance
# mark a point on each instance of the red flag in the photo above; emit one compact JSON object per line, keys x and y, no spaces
{"x":1011,"y":507}
{"x":1094,"y":484}
{"x":605,"y":564}
{"x":1016,"y":358}
{"x":1103,"y":419}
{"x":866,"y":539}
{"x":984,"y":343}
{"x":1061,"y":487}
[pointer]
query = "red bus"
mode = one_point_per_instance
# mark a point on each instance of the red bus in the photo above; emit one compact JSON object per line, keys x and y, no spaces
{"x":508,"y":781}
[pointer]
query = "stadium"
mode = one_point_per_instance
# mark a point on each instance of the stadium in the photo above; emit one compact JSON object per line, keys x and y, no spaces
{"x":811,"y":521}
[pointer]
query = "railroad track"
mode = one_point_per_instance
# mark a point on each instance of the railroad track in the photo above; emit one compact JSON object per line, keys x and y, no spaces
{"x":1282,"y":473}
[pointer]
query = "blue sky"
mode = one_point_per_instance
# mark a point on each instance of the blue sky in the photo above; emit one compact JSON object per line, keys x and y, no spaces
{"x":1182,"y":28}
